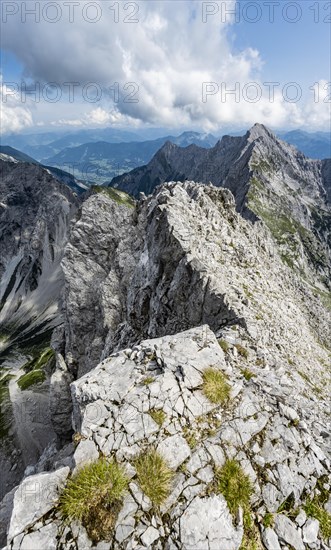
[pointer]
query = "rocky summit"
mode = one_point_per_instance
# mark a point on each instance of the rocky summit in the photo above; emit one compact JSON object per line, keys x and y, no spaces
{"x":187,"y":371}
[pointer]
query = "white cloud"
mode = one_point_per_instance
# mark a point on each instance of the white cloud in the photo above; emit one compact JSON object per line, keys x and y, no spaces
{"x":13,"y":116}
{"x":97,"y":117}
{"x":318,"y":111}
{"x":67,"y":122}
{"x":168,"y":55}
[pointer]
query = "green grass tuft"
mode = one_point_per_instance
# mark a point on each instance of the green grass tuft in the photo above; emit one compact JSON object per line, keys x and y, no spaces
{"x":251,"y":539}
{"x":224,"y":345}
{"x":154,"y":476}
{"x":191,"y":437}
{"x":116,"y":195}
{"x":268,"y":520}
{"x":247,"y":374}
{"x":148,"y":380}
{"x":158,"y":415}
{"x":314,"y":508}
{"x":215,"y":385}
{"x":234,"y":485}
{"x":242,"y":351}
{"x":93,"y":496}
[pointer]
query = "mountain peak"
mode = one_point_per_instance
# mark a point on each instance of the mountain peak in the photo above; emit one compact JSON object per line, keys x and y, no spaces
{"x":167,"y":147}
{"x":259,"y":130}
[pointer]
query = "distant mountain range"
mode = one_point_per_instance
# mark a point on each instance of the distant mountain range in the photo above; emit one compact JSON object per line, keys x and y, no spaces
{"x":97,"y":156}
{"x":232,"y":158}
{"x":44,"y":145}
{"x":100,"y":161}
{"x":314,"y":145}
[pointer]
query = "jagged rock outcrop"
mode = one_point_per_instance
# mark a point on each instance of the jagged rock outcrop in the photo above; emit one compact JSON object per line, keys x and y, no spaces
{"x":97,"y":267}
{"x":60,"y":399}
{"x":182,"y":258}
{"x":326,"y":172}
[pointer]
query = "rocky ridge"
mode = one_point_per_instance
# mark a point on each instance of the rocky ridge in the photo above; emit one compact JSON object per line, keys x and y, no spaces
{"x":270,"y":180}
{"x":153,"y":294}
{"x":168,"y":287}
{"x":184,"y":257}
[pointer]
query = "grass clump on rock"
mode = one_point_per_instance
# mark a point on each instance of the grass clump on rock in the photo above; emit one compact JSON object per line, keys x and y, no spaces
{"x":154,"y":476}
{"x":237,"y":489}
{"x":315,"y":507}
{"x":234,"y":485}
{"x":94,"y":496}
{"x":247,"y":374}
{"x":224,"y":345}
{"x":158,"y":415}
{"x":242,"y":351}
{"x":148,"y":380}
{"x":215,"y":386}
{"x":116,"y":195}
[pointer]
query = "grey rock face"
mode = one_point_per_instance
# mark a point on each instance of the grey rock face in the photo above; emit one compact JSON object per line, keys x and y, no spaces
{"x":60,"y":399}
{"x":206,"y":524}
{"x":6,"y":509}
{"x":97,"y":266}
{"x":288,"y":533}
{"x":45,"y":537}
{"x":166,"y":272}
{"x":35,"y":213}
{"x":270,"y":539}
{"x":86,"y":453}
{"x":175,"y":450}
{"x":34,"y":498}
{"x":114,"y":415}
{"x":310,"y":531}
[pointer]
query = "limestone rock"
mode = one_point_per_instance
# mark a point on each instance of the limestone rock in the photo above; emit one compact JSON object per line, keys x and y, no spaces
{"x":310,"y":531}
{"x":206,"y":524}
{"x":270,"y":539}
{"x":35,"y":496}
{"x":45,"y":537}
{"x":150,"y":535}
{"x":85,"y":453}
{"x":175,"y":450}
{"x":60,"y":399}
{"x":288,"y":533}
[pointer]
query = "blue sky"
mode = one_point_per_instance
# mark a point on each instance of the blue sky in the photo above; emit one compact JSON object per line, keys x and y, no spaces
{"x":297,"y":51}
{"x":179,"y":63}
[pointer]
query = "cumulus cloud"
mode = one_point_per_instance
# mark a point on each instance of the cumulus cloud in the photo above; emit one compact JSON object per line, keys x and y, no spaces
{"x":98,"y":117}
{"x":14,"y":117}
{"x":318,"y":111}
{"x":151,"y":62}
